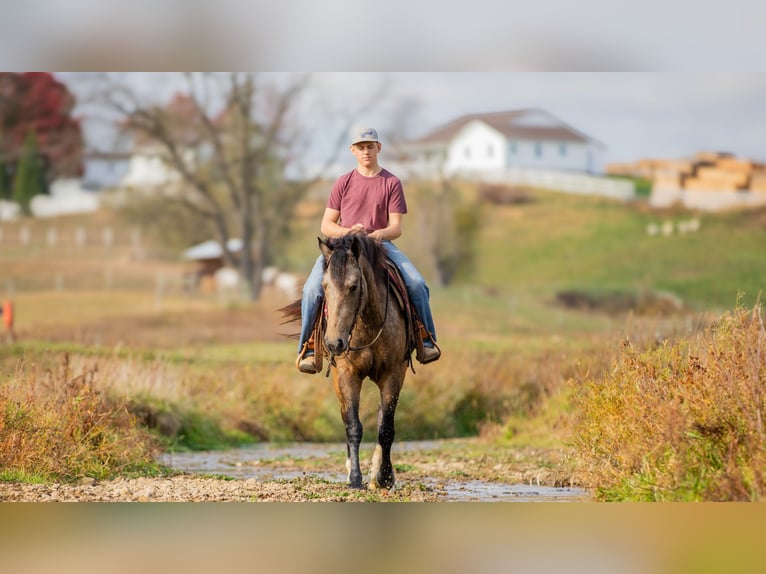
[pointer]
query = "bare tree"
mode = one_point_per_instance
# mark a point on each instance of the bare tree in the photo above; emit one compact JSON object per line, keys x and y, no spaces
{"x":231,"y":139}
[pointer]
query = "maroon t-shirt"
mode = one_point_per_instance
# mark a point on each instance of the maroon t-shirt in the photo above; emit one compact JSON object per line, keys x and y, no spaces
{"x":367,"y":200}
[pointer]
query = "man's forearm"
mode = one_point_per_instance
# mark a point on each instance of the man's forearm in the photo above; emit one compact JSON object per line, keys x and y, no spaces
{"x":331,"y":229}
{"x":387,"y":233}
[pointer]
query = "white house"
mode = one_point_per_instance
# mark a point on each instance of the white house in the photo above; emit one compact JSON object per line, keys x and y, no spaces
{"x":527,"y":147}
{"x":148,"y":168}
{"x":487,"y":143}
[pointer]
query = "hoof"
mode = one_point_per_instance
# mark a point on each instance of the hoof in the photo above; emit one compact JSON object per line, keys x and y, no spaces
{"x":375,"y":484}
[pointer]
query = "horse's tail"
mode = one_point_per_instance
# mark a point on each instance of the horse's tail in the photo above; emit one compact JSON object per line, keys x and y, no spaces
{"x":291,"y":313}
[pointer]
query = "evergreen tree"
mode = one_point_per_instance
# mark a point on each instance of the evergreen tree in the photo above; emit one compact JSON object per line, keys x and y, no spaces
{"x":5,"y":181}
{"x":5,"y":171}
{"x":30,"y":175}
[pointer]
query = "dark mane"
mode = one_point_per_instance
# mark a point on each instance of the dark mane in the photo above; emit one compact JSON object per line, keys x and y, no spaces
{"x":373,"y":251}
{"x":369,"y":249}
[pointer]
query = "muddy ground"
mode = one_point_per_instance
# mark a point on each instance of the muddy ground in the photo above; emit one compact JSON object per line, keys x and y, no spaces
{"x":423,"y":475}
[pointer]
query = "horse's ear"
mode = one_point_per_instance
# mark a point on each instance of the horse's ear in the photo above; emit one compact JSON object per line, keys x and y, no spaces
{"x":324,"y":248}
{"x":356,"y":246}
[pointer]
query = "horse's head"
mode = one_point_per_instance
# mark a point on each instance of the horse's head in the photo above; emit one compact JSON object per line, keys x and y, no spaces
{"x":345,"y":287}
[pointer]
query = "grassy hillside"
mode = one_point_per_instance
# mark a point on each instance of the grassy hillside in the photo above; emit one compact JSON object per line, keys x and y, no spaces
{"x":561,"y":242}
{"x":527,"y":253}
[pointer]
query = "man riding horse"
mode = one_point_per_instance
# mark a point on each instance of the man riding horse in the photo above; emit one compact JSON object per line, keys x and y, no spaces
{"x":370,"y":200}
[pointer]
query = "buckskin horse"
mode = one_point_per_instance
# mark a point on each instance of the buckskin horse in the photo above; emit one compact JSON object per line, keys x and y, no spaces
{"x":365,"y":335}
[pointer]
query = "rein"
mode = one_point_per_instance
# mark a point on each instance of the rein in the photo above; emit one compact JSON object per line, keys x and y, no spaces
{"x":382,"y":324}
{"x":331,"y":362}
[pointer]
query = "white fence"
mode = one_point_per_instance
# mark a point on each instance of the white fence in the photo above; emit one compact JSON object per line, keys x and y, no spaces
{"x":569,"y":182}
{"x":16,"y":234}
{"x":565,"y":181}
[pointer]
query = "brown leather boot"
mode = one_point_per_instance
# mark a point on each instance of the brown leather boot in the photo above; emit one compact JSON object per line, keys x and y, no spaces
{"x":430,"y":354}
{"x":305,"y":361}
{"x":431,"y":351}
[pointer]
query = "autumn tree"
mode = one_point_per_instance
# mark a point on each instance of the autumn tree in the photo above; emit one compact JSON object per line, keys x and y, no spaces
{"x":230,"y":140}
{"x":37,"y":102}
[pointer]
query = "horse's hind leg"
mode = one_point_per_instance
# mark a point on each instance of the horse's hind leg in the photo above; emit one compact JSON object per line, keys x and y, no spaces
{"x":382,"y":471}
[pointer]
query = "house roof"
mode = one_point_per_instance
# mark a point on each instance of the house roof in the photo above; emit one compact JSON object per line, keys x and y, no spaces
{"x":508,"y":124}
{"x":211,"y":249}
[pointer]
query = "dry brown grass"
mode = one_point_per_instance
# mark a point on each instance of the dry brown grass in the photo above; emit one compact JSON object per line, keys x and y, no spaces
{"x":56,"y":424}
{"x":683,"y":420}
{"x":134,"y":320}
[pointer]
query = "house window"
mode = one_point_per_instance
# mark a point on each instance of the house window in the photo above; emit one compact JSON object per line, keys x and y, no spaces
{"x":490,"y":150}
{"x":467,"y":152}
{"x":538,"y":150}
{"x":562,"y":148}
{"x":513,"y":148}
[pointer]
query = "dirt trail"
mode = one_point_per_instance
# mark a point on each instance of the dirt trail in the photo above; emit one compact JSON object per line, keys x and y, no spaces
{"x":189,"y":488}
{"x":436,"y":471}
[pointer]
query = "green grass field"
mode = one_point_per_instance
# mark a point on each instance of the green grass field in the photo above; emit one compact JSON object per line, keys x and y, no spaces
{"x":561,"y":242}
{"x":526,"y":253}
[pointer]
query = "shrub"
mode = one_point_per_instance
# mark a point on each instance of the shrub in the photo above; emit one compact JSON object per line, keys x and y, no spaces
{"x":681,"y":421}
{"x":503,"y":194}
{"x":54,"y":425}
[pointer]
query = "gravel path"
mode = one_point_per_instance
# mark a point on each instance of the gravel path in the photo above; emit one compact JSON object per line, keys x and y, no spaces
{"x":433,"y":474}
{"x":190,"y":488}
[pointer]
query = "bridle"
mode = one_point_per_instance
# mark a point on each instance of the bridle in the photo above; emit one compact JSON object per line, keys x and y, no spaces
{"x":358,"y":310}
{"x":357,"y":313}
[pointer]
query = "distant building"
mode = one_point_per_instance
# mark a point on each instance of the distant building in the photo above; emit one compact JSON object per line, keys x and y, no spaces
{"x":487,"y":143}
{"x":66,"y":196}
{"x":147,"y":168}
{"x":208,"y":258}
{"x":527,"y":147}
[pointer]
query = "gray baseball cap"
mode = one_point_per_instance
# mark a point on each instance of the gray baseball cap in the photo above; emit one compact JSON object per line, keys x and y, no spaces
{"x":364,"y":135}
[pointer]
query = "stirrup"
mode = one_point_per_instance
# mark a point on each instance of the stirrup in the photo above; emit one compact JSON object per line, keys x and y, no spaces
{"x":302,"y":362}
{"x":434,"y":357}
{"x":425,"y":336}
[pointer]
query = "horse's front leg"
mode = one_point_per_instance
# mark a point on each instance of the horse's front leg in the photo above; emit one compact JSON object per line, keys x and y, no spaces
{"x":347,"y":388}
{"x":382,"y":471}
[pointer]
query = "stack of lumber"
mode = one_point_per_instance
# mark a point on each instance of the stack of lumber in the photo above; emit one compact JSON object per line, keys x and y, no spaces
{"x":651,"y":168}
{"x":715,"y":177}
{"x":705,"y":171}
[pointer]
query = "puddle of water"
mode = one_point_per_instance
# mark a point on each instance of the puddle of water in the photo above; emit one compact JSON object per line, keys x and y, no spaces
{"x":475,"y":490}
{"x":245,"y":463}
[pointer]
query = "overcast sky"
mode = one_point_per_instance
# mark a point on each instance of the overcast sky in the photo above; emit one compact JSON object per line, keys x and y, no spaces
{"x":635,"y":115}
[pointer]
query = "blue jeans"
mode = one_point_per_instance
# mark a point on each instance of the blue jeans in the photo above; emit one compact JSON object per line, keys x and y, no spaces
{"x":413,"y":280}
